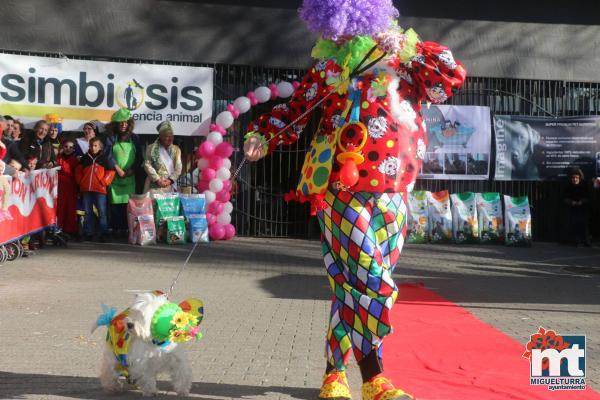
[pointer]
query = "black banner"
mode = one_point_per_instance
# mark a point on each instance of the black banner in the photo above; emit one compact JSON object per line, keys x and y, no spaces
{"x":535,"y":149}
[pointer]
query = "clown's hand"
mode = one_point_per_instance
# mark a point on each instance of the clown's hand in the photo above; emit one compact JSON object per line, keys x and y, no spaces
{"x":255,"y":146}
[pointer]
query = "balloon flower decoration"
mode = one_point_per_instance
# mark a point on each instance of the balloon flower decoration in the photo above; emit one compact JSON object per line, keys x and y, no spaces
{"x":213,"y":156}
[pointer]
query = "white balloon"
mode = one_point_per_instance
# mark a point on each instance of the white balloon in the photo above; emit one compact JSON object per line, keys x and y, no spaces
{"x":263,"y":94}
{"x":242,"y":104}
{"x":215,"y":138}
{"x":225,"y":119}
{"x":224,"y":218}
{"x":228,"y":207}
{"x":216,"y":185}
{"x":202,"y":163}
{"x":227,"y":163}
{"x":285,"y":89}
{"x":209,"y":196}
{"x":223,"y":173}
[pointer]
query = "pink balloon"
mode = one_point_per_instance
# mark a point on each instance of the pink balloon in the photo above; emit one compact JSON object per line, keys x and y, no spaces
{"x":224,"y":150}
{"x":216,"y":232}
{"x":211,"y":219}
{"x":215,"y":162}
{"x":206,"y":149}
{"x":202,"y":186}
{"x":226,"y":185}
{"x":224,"y":196}
{"x":213,"y":208}
{"x":229,"y":231}
{"x":208,"y":174}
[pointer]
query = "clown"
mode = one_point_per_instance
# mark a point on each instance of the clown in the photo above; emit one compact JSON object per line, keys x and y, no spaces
{"x":370,"y":79}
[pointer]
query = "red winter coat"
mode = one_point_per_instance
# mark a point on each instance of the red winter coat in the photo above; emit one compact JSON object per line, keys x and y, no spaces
{"x":93,"y":174}
{"x":397,"y":139}
{"x":66,"y":208}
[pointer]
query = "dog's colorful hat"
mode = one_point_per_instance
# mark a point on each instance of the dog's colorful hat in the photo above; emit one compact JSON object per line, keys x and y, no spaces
{"x":178,"y":322}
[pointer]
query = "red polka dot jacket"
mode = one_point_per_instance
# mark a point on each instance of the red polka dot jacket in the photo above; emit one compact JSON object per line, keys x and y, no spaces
{"x":390,"y":104}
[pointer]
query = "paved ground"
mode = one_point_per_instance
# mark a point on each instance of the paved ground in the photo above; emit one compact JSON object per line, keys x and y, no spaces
{"x":266,"y":302}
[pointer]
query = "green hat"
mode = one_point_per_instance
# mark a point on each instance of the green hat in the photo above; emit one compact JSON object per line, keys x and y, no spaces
{"x":122,"y":115}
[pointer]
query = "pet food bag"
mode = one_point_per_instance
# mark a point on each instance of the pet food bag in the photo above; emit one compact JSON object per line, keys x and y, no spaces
{"x":465,"y":227}
{"x":440,"y":217}
{"x":192,"y":204}
{"x":517,"y":221}
{"x":489,"y":213}
{"x":175,"y":230}
{"x":418,"y":227}
{"x":198,"y":227}
{"x":139,"y":217}
{"x":166,"y":205}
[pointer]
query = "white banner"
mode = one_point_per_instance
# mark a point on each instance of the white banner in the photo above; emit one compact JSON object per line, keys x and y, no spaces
{"x":81,"y":91}
{"x":460,"y":141}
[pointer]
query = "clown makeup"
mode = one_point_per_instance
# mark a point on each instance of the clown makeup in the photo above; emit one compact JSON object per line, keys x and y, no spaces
{"x":68,"y":148}
{"x":32,"y":163}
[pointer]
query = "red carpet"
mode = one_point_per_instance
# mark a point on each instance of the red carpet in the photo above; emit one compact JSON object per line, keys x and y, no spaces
{"x":439,"y":350}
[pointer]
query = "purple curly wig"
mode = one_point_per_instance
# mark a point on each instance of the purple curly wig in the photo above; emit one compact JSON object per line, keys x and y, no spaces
{"x":336,"y":18}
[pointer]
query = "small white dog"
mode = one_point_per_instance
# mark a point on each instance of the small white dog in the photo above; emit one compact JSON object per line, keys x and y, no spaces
{"x":145,"y":339}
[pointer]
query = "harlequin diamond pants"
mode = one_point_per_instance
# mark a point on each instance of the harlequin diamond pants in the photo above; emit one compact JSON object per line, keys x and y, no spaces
{"x":362,"y":236}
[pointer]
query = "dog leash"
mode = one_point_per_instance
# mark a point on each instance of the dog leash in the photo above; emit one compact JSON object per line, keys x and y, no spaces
{"x":187,"y":260}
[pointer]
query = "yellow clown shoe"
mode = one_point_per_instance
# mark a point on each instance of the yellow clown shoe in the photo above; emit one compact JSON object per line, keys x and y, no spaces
{"x":381,"y":388}
{"x":335,"y":386}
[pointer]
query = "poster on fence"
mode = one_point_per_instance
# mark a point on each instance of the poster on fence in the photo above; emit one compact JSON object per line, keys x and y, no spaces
{"x":31,"y":203}
{"x":85,"y":90}
{"x":536,"y":148}
{"x":460,"y":140}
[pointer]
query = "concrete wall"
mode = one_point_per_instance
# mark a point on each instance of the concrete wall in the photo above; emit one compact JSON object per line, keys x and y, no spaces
{"x":213,"y":32}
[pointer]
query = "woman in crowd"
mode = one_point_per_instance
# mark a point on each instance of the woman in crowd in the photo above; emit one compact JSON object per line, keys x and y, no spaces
{"x":66,"y":207}
{"x":124,"y":153}
{"x":82,"y":144}
{"x":163,"y":161}
{"x":36,"y":145}
{"x":577,"y":199}
{"x":18,"y":129}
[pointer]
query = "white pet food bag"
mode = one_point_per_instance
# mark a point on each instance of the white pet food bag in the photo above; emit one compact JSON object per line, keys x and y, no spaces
{"x":417,"y":230}
{"x":517,"y":221}
{"x":440,"y":217}
{"x":465,"y":227}
{"x":489,"y":213}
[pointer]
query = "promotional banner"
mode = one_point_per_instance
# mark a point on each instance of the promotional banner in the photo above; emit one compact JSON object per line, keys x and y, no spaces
{"x":83,"y":90}
{"x":460,"y":140}
{"x":31,"y":203}
{"x":535,"y":148}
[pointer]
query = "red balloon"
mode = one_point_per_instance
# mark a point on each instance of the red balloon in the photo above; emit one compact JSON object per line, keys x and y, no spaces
{"x":206,"y":149}
{"x":208,"y":173}
{"x":229,"y":231}
{"x":202,"y":186}
{"x":349,"y":173}
{"x":216,"y":232}
{"x":224,"y":149}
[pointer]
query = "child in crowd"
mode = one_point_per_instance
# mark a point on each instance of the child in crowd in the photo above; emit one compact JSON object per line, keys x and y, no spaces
{"x":32,"y":162}
{"x":15,"y":164}
{"x":66,"y":207}
{"x":94,"y":176}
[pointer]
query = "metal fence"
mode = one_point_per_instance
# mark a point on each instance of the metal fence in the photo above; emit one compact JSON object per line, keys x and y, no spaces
{"x":259,"y":209}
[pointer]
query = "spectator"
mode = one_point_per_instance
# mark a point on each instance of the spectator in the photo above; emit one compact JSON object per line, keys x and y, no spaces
{"x":17,"y":131}
{"x":163,"y":161}
{"x":94,"y":175}
{"x":16,"y":165}
{"x":5,"y":189}
{"x":577,"y":198}
{"x":36,"y":145}
{"x":124,"y":152}
{"x":66,"y":207}
{"x":82,"y":144}
{"x":10,"y":126}
{"x":12,"y":150}
{"x":31,"y":161}
{"x":54,"y":132}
